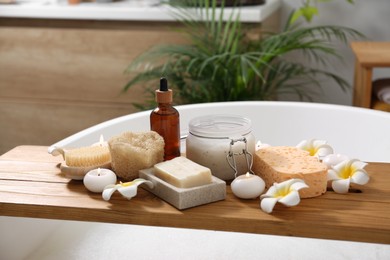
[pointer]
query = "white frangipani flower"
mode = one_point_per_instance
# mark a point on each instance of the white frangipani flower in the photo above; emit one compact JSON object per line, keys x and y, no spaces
{"x":260,"y":145}
{"x":347,"y":172}
{"x":318,"y":148}
{"x":127,"y":189}
{"x":333,"y":159}
{"x":285,"y":192}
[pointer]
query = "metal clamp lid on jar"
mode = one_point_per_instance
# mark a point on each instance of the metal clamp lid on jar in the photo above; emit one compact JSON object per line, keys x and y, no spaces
{"x":230,"y":127}
{"x":230,"y":157}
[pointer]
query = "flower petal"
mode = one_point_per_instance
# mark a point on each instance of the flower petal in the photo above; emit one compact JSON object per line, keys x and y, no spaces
{"x":341,"y":186}
{"x":317,"y":143}
{"x":271,"y":192}
{"x":260,"y":145}
{"x":129,"y":191}
{"x":333,"y":159}
{"x":360,"y":177}
{"x":141,"y":181}
{"x":283,"y":188}
{"x":287,"y":183}
{"x":317,"y":148}
{"x":108,"y":191}
{"x":292,"y":199}
{"x":268,"y":204}
{"x":285,"y":192}
{"x":333,"y":175}
{"x":324,"y":150}
{"x":302,"y":145}
{"x":358,"y":164}
{"x":298,"y":186}
{"x":340,"y":166}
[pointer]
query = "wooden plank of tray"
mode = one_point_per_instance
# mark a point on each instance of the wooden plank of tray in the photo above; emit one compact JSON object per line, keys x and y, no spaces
{"x":31,"y":185}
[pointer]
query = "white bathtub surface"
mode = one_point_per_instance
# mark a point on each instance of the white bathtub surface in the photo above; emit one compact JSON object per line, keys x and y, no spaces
{"x":86,"y":240}
{"x":352,"y":131}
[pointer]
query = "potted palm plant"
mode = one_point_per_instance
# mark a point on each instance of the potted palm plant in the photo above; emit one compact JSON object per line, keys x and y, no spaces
{"x":221,"y":63}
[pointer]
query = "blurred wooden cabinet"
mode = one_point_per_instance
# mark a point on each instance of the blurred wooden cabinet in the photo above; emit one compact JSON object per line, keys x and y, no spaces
{"x":369,"y":55}
{"x":58,"y":77}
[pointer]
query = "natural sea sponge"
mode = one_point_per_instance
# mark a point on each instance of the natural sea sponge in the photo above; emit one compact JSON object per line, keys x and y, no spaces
{"x":132,"y":151}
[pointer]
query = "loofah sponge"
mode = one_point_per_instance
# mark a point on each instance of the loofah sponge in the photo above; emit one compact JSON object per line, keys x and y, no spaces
{"x":131,"y":152}
{"x":87,"y":156}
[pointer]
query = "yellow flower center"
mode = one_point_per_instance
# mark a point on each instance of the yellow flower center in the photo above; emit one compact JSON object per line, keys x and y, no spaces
{"x":346,"y":172}
{"x":282,"y":192}
{"x":126,"y":184}
{"x":312,"y":151}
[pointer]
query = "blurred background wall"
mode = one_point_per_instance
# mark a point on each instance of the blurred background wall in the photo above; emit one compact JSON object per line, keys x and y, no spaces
{"x":58,"y":77}
{"x":372,"y":18}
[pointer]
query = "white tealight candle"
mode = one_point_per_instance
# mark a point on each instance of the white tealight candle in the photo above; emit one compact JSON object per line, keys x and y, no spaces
{"x":101,"y":142}
{"x":247,"y":186}
{"x":96,"y":180}
{"x":334,"y":159}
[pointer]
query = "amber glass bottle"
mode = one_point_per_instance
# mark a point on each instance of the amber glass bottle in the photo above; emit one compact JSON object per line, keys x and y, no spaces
{"x":165,"y":120}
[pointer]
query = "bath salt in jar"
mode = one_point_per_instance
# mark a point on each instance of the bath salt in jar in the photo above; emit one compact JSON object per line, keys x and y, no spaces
{"x":222,"y":143}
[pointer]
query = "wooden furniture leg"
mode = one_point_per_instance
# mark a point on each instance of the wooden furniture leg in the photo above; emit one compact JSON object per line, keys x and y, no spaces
{"x":363,"y":86}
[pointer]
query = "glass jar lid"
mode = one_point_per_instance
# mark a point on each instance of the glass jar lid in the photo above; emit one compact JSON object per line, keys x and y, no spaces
{"x":220,"y":126}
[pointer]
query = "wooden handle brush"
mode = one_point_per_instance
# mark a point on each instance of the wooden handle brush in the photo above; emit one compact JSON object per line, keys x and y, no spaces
{"x":79,"y":161}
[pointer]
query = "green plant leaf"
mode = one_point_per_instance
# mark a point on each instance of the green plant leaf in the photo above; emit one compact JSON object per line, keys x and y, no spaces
{"x":308,"y":12}
{"x":220,"y":63}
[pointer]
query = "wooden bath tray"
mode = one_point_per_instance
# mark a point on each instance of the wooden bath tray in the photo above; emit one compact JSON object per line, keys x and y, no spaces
{"x":31,"y":185}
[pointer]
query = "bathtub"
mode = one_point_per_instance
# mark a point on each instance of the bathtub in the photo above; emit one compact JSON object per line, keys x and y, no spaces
{"x":352,"y":131}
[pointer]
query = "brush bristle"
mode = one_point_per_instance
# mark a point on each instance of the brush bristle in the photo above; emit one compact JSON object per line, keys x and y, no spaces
{"x":87,"y":156}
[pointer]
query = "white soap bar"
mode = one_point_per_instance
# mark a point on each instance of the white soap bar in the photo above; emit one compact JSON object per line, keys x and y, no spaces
{"x":183,"y":173}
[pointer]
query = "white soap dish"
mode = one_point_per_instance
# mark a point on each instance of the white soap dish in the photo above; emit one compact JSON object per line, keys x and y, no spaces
{"x":183,"y":198}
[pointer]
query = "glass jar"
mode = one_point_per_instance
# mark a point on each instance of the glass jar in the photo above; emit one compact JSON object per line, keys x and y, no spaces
{"x":221,"y":143}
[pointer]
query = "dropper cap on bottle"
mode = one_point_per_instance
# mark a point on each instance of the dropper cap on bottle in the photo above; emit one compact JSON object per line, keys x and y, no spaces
{"x":164,"y":95}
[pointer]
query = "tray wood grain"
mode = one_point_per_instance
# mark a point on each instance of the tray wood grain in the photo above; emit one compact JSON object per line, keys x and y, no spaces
{"x":31,"y":185}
